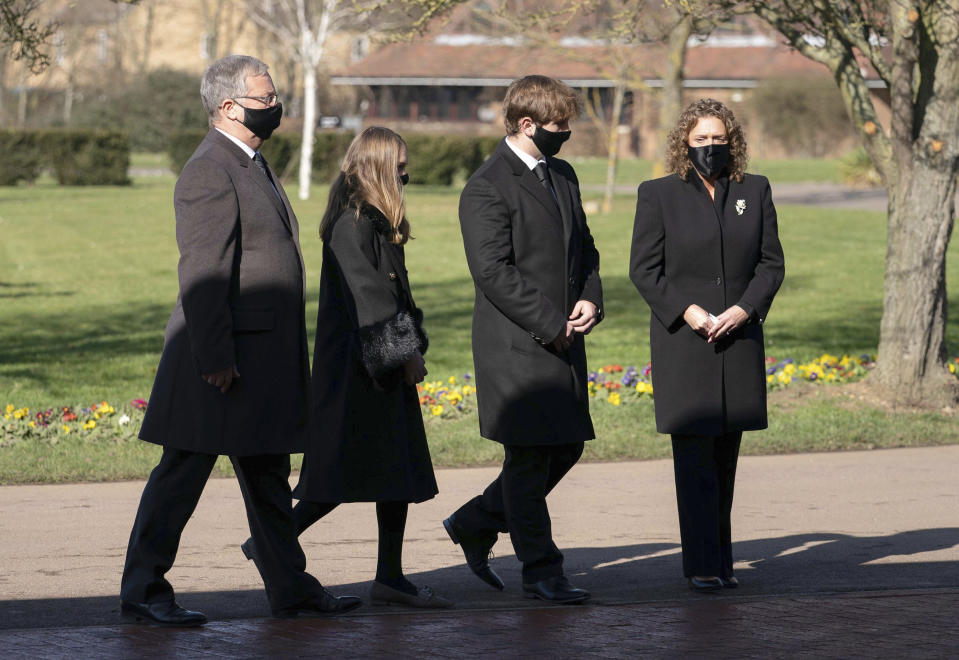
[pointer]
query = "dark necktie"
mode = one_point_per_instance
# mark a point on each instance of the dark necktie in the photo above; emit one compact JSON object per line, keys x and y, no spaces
{"x":260,"y":163}
{"x":542,"y":173}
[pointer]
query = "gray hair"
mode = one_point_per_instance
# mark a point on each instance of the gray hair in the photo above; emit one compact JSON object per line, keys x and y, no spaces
{"x":226,"y":79}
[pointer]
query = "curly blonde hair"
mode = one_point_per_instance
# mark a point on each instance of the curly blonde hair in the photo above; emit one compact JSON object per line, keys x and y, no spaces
{"x":677,"y":157}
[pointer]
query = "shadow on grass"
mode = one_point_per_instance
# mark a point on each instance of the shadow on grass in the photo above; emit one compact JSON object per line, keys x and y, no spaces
{"x":99,"y":331}
{"x":817,"y":563}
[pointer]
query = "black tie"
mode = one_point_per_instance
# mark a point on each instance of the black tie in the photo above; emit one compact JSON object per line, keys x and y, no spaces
{"x":542,"y":173}
{"x":260,"y":163}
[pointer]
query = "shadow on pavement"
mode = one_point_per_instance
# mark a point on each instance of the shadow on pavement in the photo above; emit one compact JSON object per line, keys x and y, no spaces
{"x":795,"y":564}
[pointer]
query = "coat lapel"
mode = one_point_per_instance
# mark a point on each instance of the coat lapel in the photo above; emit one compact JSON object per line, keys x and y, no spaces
{"x":282,"y":206}
{"x":564,"y":195}
{"x":528,"y":180}
{"x":281,"y":203}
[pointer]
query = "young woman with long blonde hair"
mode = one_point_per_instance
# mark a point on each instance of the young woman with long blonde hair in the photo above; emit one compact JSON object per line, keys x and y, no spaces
{"x":367,"y":441}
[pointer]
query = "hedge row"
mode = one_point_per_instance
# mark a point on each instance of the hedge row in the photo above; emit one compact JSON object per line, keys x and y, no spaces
{"x":76,"y":157}
{"x":282,"y":152}
{"x":437,"y":160}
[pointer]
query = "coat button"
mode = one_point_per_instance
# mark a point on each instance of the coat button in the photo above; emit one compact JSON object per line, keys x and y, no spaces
{"x":719,"y":281}
{"x":392,"y":276}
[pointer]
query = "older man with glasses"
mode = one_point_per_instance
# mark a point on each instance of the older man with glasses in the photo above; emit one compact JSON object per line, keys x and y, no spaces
{"x":234,"y":371}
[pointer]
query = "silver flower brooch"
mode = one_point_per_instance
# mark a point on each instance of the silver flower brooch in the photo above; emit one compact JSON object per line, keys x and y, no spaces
{"x":740,"y":206}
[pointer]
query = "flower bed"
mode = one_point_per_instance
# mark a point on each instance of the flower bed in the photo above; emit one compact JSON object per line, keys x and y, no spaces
{"x":618,"y":385}
{"x":98,"y":421}
{"x":440,"y":399}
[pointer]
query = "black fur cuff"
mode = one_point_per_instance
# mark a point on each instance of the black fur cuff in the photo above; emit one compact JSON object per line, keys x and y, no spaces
{"x":389,"y":344}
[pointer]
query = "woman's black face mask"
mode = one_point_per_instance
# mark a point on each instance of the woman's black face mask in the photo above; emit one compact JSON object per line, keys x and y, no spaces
{"x":709,"y":160}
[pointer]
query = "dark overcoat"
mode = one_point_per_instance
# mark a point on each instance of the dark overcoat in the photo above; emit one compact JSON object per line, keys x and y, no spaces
{"x":367,"y":441}
{"x":532,"y":258}
{"x":689,"y":250}
{"x":240,"y":303}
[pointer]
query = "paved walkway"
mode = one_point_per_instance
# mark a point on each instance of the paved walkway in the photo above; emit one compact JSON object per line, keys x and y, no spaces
{"x":840,"y":555}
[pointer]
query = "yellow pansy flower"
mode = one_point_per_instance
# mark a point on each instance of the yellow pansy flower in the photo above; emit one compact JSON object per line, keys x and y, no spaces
{"x":614,"y":398}
{"x":436,"y":411}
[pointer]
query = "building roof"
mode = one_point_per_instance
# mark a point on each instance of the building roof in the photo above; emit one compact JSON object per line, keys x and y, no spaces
{"x":493,"y":63}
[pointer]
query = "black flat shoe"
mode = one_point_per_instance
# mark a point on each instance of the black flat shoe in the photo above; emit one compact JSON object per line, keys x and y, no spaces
{"x":705,"y":584}
{"x":167,"y":613}
{"x":323,"y":604}
{"x":555,"y":590}
{"x":249,"y":551}
{"x":476,"y":553}
{"x":730,"y":582}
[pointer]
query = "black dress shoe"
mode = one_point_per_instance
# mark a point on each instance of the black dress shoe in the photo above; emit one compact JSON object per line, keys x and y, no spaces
{"x":167,"y":613}
{"x":323,"y":604}
{"x":705,"y":584}
{"x":476,"y":552}
{"x":730,"y":582}
{"x":555,"y":590}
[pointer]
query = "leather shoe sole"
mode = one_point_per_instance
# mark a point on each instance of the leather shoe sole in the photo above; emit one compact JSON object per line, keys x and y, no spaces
{"x":167,"y":614}
{"x":480,"y":567}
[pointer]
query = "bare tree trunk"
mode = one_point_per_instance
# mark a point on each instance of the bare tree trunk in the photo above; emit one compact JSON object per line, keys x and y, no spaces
{"x":68,"y":101}
{"x":612,"y":146}
{"x":309,"y":126}
{"x":671,"y":100}
{"x":912,"y":335}
{"x":144,"y":59}
{"x":22,"y":106}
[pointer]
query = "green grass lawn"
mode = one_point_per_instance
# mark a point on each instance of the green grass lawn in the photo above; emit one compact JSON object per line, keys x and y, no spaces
{"x":88,"y":279}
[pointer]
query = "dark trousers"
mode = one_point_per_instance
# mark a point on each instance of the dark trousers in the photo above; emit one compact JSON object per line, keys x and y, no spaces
{"x":169,"y":499}
{"x":516,"y":503}
{"x":705,"y":469}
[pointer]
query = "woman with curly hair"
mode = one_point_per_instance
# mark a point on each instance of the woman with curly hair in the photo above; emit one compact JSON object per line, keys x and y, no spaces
{"x":706,"y":258}
{"x":367,"y":440}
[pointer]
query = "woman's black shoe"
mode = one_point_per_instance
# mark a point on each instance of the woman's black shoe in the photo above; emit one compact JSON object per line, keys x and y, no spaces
{"x":730,"y":582}
{"x":705,"y":584}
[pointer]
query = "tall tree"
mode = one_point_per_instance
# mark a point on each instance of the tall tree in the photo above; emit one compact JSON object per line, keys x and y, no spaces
{"x":304,"y":27}
{"x":913,"y":46}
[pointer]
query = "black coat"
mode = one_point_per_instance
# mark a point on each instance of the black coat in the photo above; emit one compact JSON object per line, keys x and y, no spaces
{"x":367,"y":441}
{"x":240,"y":303}
{"x":531,"y":262}
{"x":684,"y":253}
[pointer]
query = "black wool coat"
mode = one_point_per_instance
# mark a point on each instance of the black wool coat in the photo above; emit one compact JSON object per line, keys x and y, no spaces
{"x":367,"y":441}
{"x":240,"y":303}
{"x":687,"y":251}
{"x":531,"y":259}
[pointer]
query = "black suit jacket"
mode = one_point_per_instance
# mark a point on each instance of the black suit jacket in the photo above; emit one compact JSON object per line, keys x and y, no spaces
{"x":532,"y":258}
{"x":686,"y":251}
{"x":241,"y":302}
